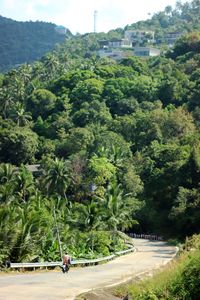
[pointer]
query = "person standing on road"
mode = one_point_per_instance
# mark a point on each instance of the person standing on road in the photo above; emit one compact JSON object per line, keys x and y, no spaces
{"x":66,"y":261}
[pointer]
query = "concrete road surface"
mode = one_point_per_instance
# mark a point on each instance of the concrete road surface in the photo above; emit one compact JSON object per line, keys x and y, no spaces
{"x":53,"y":285}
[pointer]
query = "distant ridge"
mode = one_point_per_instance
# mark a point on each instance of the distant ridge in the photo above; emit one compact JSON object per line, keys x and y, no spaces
{"x":25,"y":42}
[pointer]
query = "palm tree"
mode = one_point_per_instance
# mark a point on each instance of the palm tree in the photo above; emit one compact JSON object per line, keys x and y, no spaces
{"x":51,"y":65}
{"x":57,"y":178}
{"x":6,"y":222}
{"x":24,"y":236}
{"x":114,"y":154}
{"x":19,"y":88}
{"x":7,"y":173}
{"x":25,"y":72}
{"x":86,"y":216}
{"x":7,"y":183}
{"x":6,"y":193}
{"x":168,"y":10}
{"x":24,"y":183}
{"x":41,"y":210}
{"x":116,"y":208}
{"x":20,"y":116}
{"x":38,"y":74}
{"x":6,"y":101}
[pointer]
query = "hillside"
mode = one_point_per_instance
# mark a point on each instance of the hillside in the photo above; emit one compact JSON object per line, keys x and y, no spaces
{"x":161,"y":31}
{"x":24,"y":42}
{"x":117,"y":143}
{"x":184,"y":18}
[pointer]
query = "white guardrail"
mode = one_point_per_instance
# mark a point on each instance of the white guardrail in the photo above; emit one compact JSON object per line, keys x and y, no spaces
{"x":73,"y":262}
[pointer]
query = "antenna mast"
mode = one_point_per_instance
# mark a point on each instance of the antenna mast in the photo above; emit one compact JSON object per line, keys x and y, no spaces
{"x":95,"y":20}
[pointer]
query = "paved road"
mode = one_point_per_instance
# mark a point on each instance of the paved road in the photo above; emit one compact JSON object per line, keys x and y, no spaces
{"x":53,"y":285}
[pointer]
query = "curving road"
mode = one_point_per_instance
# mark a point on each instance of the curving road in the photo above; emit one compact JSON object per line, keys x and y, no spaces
{"x":53,"y":285}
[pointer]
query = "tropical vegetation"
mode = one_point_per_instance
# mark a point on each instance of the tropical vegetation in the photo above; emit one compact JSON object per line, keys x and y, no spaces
{"x":115,"y":143}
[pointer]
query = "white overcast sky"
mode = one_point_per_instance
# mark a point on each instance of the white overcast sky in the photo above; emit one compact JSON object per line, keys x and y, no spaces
{"x":78,"y":15}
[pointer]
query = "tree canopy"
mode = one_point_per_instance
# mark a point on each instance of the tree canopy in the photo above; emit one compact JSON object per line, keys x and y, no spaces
{"x":112,"y":145}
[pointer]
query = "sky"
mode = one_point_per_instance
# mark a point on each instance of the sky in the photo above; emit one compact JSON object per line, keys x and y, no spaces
{"x":78,"y":15}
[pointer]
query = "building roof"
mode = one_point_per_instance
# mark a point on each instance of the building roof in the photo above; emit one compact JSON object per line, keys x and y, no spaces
{"x":33,"y":168}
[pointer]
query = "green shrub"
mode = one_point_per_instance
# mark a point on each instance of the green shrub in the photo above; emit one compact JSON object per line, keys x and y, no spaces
{"x":92,"y":244}
{"x":191,"y":277}
{"x":193,"y":242}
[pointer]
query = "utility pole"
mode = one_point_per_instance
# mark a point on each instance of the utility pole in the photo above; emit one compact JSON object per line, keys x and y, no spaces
{"x":95,"y":20}
{"x":57,"y":231}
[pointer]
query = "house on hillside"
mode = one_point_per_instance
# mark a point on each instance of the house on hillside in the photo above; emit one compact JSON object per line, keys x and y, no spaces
{"x":146,"y":51}
{"x":115,"y":43}
{"x":103,"y":44}
{"x":61,"y":29}
{"x":114,"y":53}
{"x":122,"y":48}
{"x":139,"y":37}
{"x":170,"y":38}
{"x":34,"y":169}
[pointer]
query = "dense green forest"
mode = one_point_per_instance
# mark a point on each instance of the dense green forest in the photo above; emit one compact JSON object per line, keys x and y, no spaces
{"x":117,"y":144}
{"x":24,"y":42}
